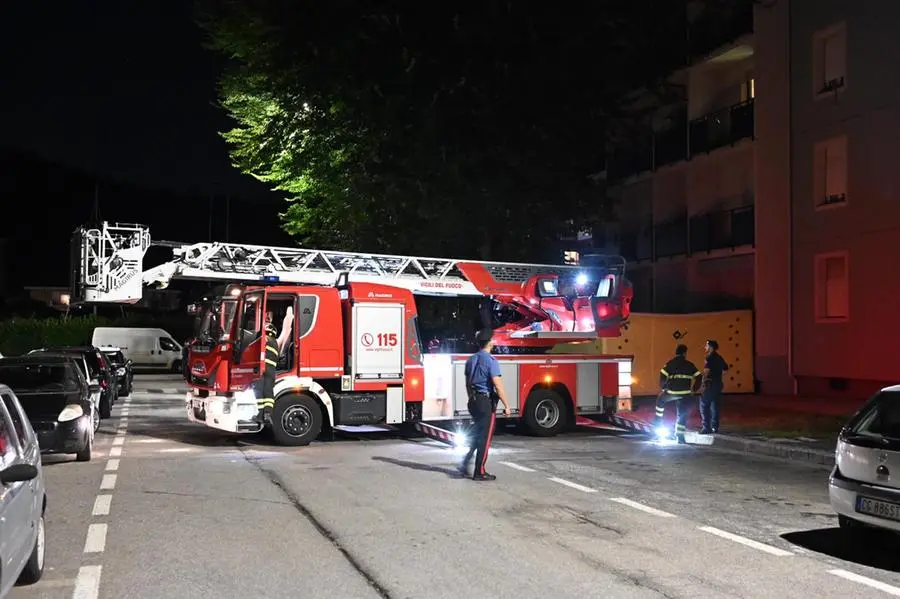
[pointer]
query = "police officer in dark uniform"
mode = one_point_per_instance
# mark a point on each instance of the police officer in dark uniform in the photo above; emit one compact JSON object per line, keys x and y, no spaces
{"x":484,"y":388}
{"x":265,"y":399}
{"x":678,"y":379}
{"x":713,"y":369}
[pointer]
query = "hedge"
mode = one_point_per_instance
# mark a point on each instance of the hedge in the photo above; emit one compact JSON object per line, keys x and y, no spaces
{"x":21,"y":335}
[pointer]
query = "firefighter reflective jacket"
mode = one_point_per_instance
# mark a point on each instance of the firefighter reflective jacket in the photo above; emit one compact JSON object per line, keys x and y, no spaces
{"x":679,"y":377}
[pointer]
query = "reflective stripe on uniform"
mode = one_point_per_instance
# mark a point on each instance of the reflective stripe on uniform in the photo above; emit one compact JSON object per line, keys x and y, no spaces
{"x":272,"y":362}
{"x":688,"y":392}
{"x":682,"y":376}
{"x":664,"y":372}
{"x":272,"y":349}
{"x":265,"y":403}
{"x":680,"y":429}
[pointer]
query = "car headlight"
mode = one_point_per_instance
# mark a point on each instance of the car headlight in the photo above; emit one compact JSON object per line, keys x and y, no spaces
{"x":120,"y":372}
{"x":70,"y":412}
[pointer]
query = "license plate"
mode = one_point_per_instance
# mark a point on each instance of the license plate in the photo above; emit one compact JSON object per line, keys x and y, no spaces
{"x":881,"y":509}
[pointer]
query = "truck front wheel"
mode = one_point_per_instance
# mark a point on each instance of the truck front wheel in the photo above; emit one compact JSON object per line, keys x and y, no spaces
{"x":545,"y":413}
{"x":296,"y":420}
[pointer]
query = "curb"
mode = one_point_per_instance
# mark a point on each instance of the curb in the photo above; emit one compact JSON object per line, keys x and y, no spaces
{"x":809,"y":455}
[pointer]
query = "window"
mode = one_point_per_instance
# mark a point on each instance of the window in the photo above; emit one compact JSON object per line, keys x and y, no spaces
{"x":19,"y":420}
{"x":832,"y":287}
{"x":879,"y":417}
{"x":308,"y":308}
{"x":830,"y":172}
{"x":167,"y":344}
{"x":571,"y":257}
{"x":8,"y":440}
{"x":748,"y":89}
{"x":830,"y":61}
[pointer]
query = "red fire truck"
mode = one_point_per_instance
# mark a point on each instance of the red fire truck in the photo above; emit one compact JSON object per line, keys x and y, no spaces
{"x":352,"y":353}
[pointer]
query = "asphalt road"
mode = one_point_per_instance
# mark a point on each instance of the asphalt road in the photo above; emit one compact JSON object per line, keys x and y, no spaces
{"x":188,"y":512}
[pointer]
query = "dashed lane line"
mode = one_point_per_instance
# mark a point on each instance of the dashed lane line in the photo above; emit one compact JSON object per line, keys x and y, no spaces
{"x":644,"y":508}
{"x":102,"y":505}
{"x":96,"y":539}
{"x":87,"y":583}
{"x":746,"y":542}
{"x":518,"y":467}
{"x":112,"y":464}
{"x":865,"y":580}
{"x":572,"y":485}
{"x":109,"y":482}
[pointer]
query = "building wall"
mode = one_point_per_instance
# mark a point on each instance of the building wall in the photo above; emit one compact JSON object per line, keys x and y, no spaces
{"x":866,"y":112}
{"x":772,"y":183}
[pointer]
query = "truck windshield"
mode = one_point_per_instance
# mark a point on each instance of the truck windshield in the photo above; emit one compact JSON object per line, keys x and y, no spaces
{"x":216,"y":320}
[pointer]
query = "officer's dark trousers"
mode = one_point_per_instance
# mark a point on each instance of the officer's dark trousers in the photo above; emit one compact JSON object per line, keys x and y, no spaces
{"x":681,"y":410}
{"x":481,"y":407}
{"x":265,"y":395}
{"x":709,"y":406}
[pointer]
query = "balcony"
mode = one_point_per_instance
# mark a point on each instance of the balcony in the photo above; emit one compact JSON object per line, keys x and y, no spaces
{"x":671,"y":237}
{"x":723,"y":229}
{"x":722,"y":128}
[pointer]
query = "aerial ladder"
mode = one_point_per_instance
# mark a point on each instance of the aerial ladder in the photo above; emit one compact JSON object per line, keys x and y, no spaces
{"x":107,"y":267}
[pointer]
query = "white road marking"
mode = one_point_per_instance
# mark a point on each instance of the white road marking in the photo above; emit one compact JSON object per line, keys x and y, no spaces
{"x":870,"y":582}
{"x":96,"y":539}
{"x":119,"y":440}
{"x":569,"y":483}
{"x":115,"y":452}
{"x":121,"y":431}
{"x":642,"y":507}
{"x":101,"y":505}
{"x":108,"y":482}
{"x":518,"y":467}
{"x":112,"y":465}
{"x":747,"y":542}
{"x":87,"y":583}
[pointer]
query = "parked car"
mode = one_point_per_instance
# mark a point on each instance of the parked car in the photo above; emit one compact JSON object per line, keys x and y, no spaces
{"x":58,"y":401}
{"x":122,"y":367}
{"x":148,"y":348}
{"x":24,"y":501}
{"x":864,"y":486}
{"x":96,"y":369}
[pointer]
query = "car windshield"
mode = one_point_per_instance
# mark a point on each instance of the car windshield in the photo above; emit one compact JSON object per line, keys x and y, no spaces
{"x":879,"y":418}
{"x":39,"y":378}
{"x":216,"y":320}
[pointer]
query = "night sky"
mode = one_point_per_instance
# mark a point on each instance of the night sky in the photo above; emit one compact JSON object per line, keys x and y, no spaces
{"x":121,"y":89}
{"x":119,"y":97}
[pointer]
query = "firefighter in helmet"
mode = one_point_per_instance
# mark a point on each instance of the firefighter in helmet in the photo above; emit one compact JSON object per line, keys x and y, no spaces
{"x":265,"y":399}
{"x":678,"y":379}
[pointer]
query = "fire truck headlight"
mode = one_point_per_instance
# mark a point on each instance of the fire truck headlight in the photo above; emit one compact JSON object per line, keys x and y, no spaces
{"x":581,"y":279}
{"x":662,"y":432}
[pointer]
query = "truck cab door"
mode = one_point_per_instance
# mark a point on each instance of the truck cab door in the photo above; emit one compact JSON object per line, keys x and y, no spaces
{"x":248,"y":341}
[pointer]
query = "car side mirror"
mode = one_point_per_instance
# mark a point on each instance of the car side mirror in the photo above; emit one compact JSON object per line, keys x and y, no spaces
{"x":18,"y":473}
{"x":94,"y":388}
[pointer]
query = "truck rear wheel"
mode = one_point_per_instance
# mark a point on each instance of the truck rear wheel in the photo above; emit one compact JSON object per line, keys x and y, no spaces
{"x":545,"y":413}
{"x":296,"y":420}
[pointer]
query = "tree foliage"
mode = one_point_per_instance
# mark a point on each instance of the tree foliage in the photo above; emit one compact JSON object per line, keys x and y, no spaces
{"x":459,"y":128}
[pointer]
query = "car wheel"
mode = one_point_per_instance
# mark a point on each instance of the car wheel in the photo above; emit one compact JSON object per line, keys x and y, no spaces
{"x":87,"y":453}
{"x":95,"y":418}
{"x":296,"y":420}
{"x":105,"y":408}
{"x":545,"y":413}
{"x":34,"y":567}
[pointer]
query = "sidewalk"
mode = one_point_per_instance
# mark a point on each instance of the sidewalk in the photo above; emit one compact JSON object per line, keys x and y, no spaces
{"x":797,"y":428}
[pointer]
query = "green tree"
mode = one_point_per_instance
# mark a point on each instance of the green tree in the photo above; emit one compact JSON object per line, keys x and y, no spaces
{"x":467,"y":128}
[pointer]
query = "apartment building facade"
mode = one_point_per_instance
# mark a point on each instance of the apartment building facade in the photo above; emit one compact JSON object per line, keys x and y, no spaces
{"x":770,"y":184}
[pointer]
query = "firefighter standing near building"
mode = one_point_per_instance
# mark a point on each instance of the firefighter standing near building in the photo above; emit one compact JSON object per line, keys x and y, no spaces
{"x":484,"y":388}
{"x":265,"y":398}
{"x":678,"y":379}
{"x":713,"y":368}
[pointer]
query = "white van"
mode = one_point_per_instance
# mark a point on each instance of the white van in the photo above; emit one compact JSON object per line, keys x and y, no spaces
{"x":145,"y":347}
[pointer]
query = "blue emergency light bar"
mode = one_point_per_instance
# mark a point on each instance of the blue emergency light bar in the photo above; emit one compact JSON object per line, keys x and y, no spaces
{"x":271,"y":279}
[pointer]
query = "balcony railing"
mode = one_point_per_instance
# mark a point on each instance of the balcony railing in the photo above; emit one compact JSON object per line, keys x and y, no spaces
{"x":724,"y":229}
{"x":722,"y":128}
{"x":680,"y":235}
{"x":684,"y":140}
